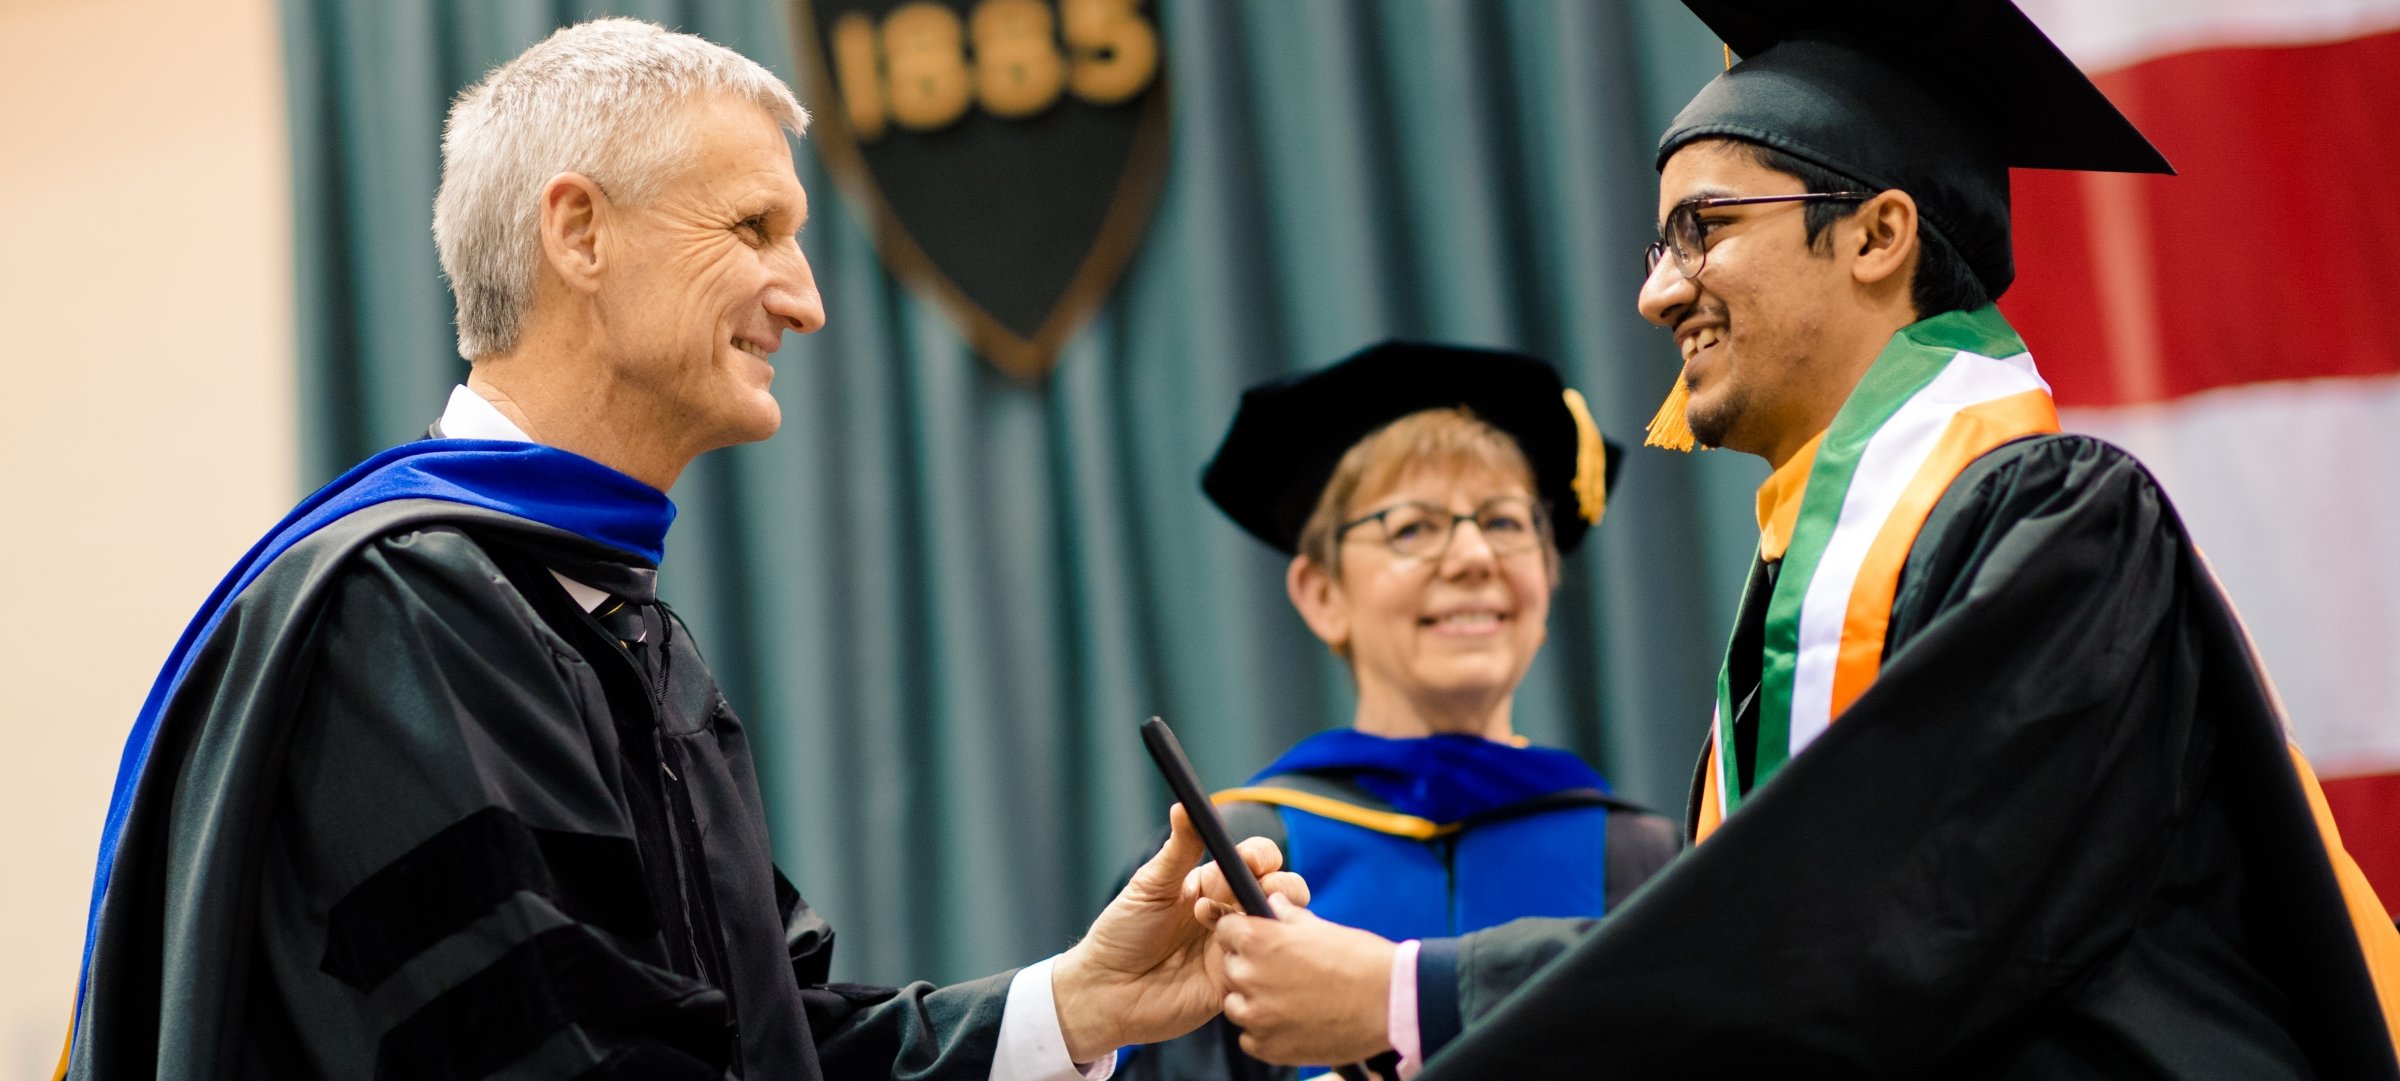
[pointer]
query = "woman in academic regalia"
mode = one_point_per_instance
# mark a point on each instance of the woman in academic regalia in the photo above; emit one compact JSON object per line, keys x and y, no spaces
{"x":1425,"y":494}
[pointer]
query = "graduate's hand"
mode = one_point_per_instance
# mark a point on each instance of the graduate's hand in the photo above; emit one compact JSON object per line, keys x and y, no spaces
{"x":1306,"y":990}
{"x":1149,"y":970}
{"x":1210,"y":897}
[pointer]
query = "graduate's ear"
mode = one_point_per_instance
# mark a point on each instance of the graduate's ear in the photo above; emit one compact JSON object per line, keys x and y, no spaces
{"x":1883,"y":235}
{"x":1321,"y":602}
{"x":574,"y":210}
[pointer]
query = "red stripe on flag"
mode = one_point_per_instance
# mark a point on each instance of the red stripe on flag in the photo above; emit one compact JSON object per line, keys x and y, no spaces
{"x":2367,"y":809}
{"x":2271,"y":256}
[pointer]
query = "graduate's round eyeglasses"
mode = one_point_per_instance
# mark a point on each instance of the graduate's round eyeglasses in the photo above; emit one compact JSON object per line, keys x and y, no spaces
{"x":1509,"y":524}
{"x":1683,"y":236}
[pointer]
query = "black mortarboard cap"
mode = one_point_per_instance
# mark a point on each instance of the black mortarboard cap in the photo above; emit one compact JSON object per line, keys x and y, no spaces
{"x":1289,"y":434}
{"x":1938,"y":98}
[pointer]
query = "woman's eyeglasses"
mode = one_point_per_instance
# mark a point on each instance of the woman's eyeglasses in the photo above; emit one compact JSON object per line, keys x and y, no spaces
{"x":1509,"y":524}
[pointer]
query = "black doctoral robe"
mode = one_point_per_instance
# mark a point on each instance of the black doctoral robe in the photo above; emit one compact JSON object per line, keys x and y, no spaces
{"x":2060,"y":836}
{"x":414,"y":814}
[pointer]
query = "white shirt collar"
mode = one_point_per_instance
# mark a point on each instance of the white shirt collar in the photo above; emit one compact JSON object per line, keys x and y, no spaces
{"x":468,"y":416}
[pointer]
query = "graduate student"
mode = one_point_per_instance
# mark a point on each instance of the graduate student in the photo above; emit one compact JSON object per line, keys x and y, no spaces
{"x":436,"y":788}
{"x":1425,"y":494}
{"x":1995,"y":787}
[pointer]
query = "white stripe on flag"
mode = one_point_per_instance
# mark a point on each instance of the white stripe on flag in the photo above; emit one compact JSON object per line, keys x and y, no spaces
{"x":1891,"y":460}
{"x":2107,"y":36}
{"x":2289,"y":487}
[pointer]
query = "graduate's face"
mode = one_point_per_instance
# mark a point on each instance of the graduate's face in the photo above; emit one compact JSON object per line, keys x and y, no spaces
{"x":1454,"y":629}
{"x":1751,"y":325}
{"x":705,"y":279}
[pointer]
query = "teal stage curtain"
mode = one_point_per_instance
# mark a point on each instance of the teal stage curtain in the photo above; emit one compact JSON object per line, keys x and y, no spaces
{"x":943,"y":599}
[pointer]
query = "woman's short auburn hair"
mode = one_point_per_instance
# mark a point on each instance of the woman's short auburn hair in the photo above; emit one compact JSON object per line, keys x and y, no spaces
{"x":1446,"y":438}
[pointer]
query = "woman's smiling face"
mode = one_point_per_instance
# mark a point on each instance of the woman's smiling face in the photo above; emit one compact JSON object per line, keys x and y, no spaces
{"x":1452,"y":628}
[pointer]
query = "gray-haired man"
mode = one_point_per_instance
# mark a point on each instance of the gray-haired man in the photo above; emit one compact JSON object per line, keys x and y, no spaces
{"x":435,"y":788}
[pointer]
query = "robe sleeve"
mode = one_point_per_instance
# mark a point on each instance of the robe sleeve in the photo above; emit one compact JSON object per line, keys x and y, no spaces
{"x":1963,"y":843}
{"x":452,"y":885}
{"x":914,"y":1033}
{"x":918,"y":1032}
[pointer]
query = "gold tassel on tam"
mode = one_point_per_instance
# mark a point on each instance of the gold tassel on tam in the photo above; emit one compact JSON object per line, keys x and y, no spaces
{"x":1668,"y":429}
{"x":1591,"y":460}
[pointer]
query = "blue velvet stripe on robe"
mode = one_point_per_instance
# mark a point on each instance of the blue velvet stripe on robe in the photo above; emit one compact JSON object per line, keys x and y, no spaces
{"x":1445,"y":778}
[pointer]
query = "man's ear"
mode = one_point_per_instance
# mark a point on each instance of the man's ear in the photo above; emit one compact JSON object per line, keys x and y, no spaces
{"x":1320,"y":601}
{"x":1885,"y":236}
{"x":574,"y":210}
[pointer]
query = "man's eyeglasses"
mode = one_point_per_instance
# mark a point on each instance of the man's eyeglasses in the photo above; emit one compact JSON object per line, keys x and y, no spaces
{"x":1682,"y":234}
{"x":1509,"y":524}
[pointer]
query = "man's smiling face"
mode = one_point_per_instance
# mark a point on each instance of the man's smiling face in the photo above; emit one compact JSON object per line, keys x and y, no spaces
{"x":1752,"y":325}
{"x":708,"y":276}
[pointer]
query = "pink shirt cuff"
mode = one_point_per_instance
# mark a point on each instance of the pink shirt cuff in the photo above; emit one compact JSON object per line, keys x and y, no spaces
{"x":1401,"y":1022}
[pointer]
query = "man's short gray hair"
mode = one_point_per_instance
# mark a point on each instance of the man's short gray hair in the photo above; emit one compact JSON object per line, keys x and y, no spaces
{"x":599,"y":98}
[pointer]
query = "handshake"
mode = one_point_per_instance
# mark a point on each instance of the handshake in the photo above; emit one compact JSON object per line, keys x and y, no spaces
{"x":1173,"y":950}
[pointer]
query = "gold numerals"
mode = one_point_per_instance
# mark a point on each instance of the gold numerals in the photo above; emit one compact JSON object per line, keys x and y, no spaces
{"x":923,"y":66}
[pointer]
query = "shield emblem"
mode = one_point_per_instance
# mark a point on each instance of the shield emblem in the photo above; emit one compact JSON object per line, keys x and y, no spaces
{"x":1009,"y":152}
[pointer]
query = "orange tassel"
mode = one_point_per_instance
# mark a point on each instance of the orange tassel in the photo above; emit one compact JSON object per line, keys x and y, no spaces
{"x":1668,"y":429}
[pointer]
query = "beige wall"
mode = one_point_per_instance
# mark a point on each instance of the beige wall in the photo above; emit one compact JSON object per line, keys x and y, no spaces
{"x":147,"y":435}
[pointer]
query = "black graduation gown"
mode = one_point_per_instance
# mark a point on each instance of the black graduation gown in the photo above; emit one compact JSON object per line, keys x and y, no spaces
{"x":2060,"y":836}
{"x":415,"y":814}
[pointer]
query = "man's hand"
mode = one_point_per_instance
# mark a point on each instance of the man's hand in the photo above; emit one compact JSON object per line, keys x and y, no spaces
{"x":1148,"y":970}
{"x":1305,"y":990}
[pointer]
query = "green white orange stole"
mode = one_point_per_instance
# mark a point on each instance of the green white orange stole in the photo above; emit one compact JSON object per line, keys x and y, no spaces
{"x":1945,"y":391}
{"x":1942,"y":393}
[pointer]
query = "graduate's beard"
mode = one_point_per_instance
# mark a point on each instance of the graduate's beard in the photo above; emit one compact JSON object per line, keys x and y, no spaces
{"x":1713,"y":423}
